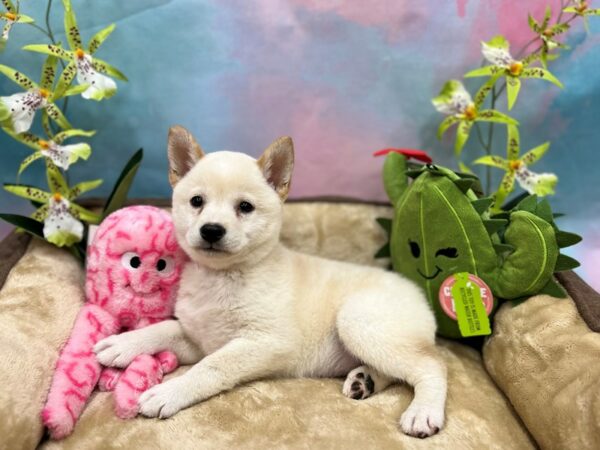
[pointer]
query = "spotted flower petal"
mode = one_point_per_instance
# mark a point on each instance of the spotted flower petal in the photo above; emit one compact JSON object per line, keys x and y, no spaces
{"x":453,"y":99}
{"x":65,"y":155}
{"x":536,"y":183}
{"x":496,"y":51}
{"x":60,"y":226}
{"x":100,"y":86}
{"x":22,"y":107}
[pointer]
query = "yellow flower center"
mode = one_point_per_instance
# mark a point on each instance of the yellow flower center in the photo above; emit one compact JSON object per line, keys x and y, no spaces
{"x":470,"y":112}
{"x":583,"y":6}
{"x":515,"y":165}
{"x":57,"y":196}
{"x":516,"y":68}
{"x":80,"y":53}
{"x":10,"y":16}
{"x":547,"y":32}
{"x":44,"y":144}
{"x":44,"y":93}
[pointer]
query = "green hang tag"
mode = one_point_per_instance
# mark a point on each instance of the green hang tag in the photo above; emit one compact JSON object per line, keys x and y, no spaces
{"x":470,"y":310}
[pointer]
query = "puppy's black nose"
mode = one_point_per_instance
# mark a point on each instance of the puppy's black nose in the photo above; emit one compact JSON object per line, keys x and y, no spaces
{"x":212,"y":232}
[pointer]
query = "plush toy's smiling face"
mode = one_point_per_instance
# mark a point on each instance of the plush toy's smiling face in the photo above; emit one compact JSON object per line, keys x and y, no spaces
{"x":134,"y":264}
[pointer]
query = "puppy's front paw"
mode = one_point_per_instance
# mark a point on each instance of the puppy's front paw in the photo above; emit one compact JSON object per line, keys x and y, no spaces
{"x":422,"y":420}
{"x":166,"y":399}
{"x":116,"y":351}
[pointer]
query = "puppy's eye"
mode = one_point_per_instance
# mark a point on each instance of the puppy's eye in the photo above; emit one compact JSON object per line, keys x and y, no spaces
{"x":246,"y":207}
{"x":131,"y":260}
{"x":196,"y":201}
{"x":414,"y":249}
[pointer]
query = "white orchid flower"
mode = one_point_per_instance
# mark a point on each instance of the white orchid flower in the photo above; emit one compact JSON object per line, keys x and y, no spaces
{"x":100,"y":86}
{"x":60,"y":226}
{"x":22,"y":107}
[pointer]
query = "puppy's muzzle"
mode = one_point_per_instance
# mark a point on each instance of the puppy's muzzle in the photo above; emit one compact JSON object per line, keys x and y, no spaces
{"x":212,"y":232}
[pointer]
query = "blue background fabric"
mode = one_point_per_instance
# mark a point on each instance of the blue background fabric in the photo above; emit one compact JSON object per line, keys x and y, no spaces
{"x":342,"y":78}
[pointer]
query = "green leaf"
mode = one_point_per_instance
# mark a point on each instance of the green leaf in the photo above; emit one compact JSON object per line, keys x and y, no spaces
{"x":28,"y":139}
{"x":565,"y":239}
{"x":83,"y":187}
{"x":593,"y":12}
{"x":104,"y":67}
{"x":494,"y":161}
{"x":564,"y":262}
{"x":25,"y":223}
{"x":48,"y":72}
{"x":533,"y":24}
{"x":534,"y":155}
{"x":71,"y":29}
{"x":48,"y":49}
{"x":56,"y":181}
{"x":27,"y":161}
{"x":17,"y":77}
{"x":486,"y":89}
{"x":513,"y":85}
{"x":76,"y":90}
{"x":28,"y":192}
{"x":84,"y":214}
{"x":513,"y":144}
{"x":547,"y":16}
{"x":513,"y":203}
{"x":481,"y":205}
{"x":99,"y":38}
{"x":553,"y":289}
{"x":56,"y":114}
{"x":446,"y":123}
{"x":484,"y":71}
{"x":507,"y":185}
{"x":491,"y":115}
{"x":542,"y":74}
{"x":22,"y":18}
{"x":10,"y":7}
{"x":64,"y":135}
{"x":65,"y":79}
{"x":119,"y":193}
{"x":464,"y":168}
{"x":462,"y":135}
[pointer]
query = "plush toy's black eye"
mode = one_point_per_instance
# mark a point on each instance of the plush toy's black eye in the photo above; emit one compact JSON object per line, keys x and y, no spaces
{"x":135,"y":262}
{"x":196,"y":201}
{"x":246,"y":207}
{"x":449,"y":252}
{"x":161,"y":265}
{"x":414,"y":249}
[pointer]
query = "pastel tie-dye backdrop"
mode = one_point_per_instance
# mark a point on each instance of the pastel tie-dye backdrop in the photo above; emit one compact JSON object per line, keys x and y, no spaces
{"x":343,"y":78}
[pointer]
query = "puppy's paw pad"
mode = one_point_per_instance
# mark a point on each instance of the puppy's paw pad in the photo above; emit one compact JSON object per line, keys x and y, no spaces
{"x":422,"y":421}
{"x":359,"y":384}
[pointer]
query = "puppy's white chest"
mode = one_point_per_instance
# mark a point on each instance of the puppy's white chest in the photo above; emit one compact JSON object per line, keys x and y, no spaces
{"x":207,"y":308}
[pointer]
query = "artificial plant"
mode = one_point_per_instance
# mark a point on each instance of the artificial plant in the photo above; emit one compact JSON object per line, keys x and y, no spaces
{"x":505,"y":72}
{"x":57,"y":217}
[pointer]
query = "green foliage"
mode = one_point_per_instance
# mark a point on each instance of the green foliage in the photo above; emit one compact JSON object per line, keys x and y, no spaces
{"x":58,"y":218}
{"x":506,"y":72}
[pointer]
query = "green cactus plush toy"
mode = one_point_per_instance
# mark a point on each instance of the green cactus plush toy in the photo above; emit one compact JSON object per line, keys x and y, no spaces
{"x":444,"y":237}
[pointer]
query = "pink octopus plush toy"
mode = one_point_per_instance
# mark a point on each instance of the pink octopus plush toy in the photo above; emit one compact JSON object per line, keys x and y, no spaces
{"x":133,"y":270}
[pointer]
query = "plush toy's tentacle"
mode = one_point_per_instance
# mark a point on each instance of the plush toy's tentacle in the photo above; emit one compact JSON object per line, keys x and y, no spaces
{"x":77,"y":371}
{"x":168,"y":361}
{"x":108,"y":378}
{"x":144,"y":372}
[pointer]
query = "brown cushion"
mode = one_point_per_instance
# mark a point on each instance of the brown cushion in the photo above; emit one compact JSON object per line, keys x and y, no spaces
{"x":547,"y":361}
{"x":44,"y":292}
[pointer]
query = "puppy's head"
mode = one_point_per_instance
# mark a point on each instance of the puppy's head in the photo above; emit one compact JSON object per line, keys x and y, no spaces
{"x":227,"y":206}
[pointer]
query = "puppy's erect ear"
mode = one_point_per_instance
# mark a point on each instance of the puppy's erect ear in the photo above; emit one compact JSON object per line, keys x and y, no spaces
{"x":183,"y":151}
{"x":276,"y":163}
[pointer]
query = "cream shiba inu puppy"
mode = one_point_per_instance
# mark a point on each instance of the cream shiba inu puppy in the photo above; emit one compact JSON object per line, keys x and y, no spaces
{"x":249,"y":308}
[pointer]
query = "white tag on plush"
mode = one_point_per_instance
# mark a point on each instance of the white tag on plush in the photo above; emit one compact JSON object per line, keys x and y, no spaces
{"x":91,"y":233}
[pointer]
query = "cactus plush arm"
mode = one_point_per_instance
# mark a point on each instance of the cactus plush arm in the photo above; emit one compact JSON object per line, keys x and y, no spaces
{"x":528,"y":268}
{"x":395,"y":180}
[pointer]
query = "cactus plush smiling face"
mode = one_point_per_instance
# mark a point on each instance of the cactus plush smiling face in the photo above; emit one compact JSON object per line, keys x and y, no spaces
{"x":134,"y":265}
{"x":441,"y":228}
